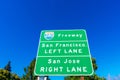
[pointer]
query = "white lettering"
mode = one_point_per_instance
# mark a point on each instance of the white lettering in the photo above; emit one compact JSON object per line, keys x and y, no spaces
{"x":52,"y":51}
{"x":76,"y":69}
{"x":51,"y":61}
{"x":51,"y":69}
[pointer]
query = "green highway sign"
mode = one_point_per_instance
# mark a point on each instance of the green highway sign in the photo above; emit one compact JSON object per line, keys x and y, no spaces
{"x":63,"y":53}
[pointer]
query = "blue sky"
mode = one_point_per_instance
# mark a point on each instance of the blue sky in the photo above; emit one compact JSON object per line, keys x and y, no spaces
{"x":22,"y":20}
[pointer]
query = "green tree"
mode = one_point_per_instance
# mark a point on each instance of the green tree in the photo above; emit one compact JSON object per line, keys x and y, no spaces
{"x":93,"y":77}
{"x":4,"y":75}
{"x":29,"y":72}
{"x":8,"y":66}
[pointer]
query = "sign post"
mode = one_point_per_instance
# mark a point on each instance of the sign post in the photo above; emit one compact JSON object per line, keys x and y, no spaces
{"x":41,"y":78}
{"x":63,"y":53}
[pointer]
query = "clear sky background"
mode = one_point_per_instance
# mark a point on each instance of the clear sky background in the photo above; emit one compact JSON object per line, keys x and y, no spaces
{"x":22,"y":20}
